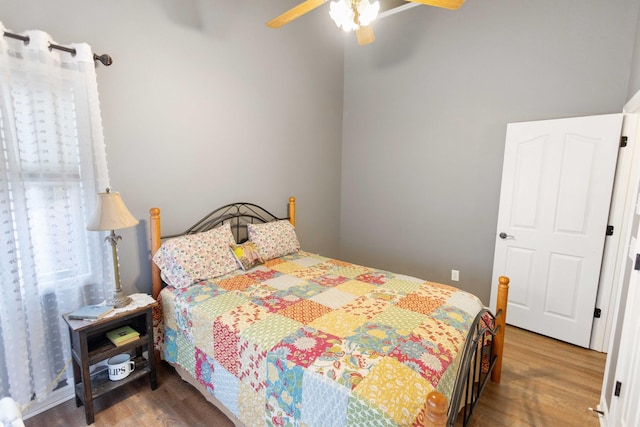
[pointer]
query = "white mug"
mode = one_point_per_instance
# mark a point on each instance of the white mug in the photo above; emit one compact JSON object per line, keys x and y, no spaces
{"x":120,"y":366}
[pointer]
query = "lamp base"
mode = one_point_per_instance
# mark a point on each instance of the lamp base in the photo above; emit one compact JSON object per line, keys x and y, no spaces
{"x":120,"y":299}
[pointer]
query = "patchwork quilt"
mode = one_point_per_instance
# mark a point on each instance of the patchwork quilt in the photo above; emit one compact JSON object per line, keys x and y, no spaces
{"x":305,"y":340}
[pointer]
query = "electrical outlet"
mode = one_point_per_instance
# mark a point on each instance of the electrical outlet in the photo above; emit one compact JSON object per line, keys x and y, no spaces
{"x":455,"y":275}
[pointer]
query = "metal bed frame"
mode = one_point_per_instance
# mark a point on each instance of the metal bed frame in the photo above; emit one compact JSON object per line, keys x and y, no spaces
{"x":238,"y":215}
{"x":476,"y":366}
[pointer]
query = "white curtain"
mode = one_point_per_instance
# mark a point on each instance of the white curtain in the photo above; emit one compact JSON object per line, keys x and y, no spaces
{"x":52,"y":164}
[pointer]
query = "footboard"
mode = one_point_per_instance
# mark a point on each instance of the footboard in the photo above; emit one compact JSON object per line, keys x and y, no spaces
{"x":481,"y":359}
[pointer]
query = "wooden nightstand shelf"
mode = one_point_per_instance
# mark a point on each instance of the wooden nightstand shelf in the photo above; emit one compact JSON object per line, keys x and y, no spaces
{"x":89,"y":345}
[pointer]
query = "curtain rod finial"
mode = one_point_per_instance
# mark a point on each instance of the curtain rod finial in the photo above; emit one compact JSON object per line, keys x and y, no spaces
{"x":105,"y":59}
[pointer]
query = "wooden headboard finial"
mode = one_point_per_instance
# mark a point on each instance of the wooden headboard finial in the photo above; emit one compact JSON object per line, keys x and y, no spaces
{"x":154,"y":232}
{"x":292,"y":211}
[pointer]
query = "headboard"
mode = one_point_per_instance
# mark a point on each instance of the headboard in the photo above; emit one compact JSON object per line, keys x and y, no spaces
{"x":238,"y":215}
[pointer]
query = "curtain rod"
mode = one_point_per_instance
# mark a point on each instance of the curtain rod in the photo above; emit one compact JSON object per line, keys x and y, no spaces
{"x":104,"y":59}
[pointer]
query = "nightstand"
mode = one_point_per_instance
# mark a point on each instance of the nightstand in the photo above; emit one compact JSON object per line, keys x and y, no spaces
{"x":90,"y":345}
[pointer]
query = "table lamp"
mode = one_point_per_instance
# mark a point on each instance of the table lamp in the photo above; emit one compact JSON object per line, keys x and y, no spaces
{"x":112,"y":214}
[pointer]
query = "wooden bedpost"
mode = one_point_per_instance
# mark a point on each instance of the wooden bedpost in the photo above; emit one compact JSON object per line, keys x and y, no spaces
{"x":154,"y":231}
{"x":501,"y":313}
{"x":437,"y":406}
{"x":292,"y":211}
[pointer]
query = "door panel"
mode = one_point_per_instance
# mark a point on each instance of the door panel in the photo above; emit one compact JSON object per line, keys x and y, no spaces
{"x":527,"y":183}
{"x":520,"y":262}
{"x":554,"y":203}
{"x":575,"y":185}
{"x":563,"y":285}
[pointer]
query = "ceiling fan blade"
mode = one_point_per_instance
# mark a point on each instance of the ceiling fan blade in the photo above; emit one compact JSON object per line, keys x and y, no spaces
{"x":365,"y":35}
{"x":446,"y":4}
{"x":294,"y":13}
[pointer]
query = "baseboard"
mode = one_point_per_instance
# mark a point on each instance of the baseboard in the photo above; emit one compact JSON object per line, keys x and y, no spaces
{"x":602,"y":417}
{"x":54,"y":399}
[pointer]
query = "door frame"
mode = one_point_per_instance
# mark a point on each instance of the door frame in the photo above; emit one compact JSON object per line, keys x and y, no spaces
{"x":618,"y":303}
{"x":620,"y":216}
{"x":614,"y":247}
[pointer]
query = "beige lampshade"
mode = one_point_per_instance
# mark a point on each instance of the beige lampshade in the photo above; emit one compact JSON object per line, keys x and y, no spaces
{"x":111,"y":213}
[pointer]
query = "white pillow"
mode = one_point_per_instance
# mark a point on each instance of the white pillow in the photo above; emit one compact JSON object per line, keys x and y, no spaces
{"x":191,"y":258}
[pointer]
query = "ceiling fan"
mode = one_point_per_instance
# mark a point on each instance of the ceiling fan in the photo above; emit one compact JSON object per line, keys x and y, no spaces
{"x":352,"y":15}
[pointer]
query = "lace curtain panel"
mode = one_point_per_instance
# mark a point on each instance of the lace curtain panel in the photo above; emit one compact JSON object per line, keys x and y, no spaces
{"x":52,"y":165}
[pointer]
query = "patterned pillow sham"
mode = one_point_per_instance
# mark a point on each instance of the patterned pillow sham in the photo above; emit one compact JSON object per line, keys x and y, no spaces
{"x":247,"y":255}
{"x":274,"y":239}
{"x":188,"y":259}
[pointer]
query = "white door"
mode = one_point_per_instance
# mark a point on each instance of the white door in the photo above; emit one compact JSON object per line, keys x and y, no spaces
{"x":556,"y":188}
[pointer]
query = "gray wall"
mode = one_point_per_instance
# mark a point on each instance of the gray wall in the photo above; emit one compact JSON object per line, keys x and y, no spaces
{"x":634,"y":79}
{"x":204,"y":105}
{"x":425,"y":112}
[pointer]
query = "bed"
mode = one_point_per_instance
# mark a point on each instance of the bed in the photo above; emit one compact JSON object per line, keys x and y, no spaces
{"x":277,"y":336}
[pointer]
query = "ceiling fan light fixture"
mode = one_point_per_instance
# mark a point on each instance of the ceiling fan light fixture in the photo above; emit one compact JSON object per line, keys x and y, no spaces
{"x":343,"y":15}
{"x":368,"y":11}
{"x":350,"y":15}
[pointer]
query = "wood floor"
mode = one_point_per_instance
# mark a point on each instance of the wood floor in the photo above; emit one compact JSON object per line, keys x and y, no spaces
{"x":544,"y":383}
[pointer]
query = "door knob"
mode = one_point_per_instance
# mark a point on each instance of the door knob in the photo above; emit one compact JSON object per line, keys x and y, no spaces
{"x":504,"y":235}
